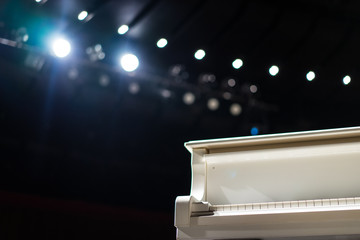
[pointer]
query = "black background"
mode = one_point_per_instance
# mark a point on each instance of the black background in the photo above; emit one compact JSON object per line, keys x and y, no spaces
{"x":82,"y":160}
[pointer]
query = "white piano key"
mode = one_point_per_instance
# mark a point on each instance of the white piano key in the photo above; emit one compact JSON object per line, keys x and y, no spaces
{"x":342,"y":201}
{"x":350,"y":201}
{"x":318,"y":203}
{"x":287,"y":204}
{"x":310,"y":203}
{"x":256,"y":206}
{"x":326,"y":202}
{"x":302,"y":204}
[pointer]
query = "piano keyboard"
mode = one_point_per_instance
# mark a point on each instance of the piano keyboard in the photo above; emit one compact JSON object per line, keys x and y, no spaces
{"x":318,"y":203}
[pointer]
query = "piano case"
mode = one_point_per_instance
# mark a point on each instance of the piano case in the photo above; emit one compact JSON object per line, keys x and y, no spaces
{"x":302,"y":184}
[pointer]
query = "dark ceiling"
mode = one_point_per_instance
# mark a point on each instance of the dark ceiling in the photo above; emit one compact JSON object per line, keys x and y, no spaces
{"x":67,"y":134}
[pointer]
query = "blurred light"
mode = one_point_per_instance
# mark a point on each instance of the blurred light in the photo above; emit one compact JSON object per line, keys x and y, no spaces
{"x":21,"y":35}
{"x":213,"y":104}
{"x":189,"y":98}
{"x":73,"y":73}
{"x":123,"y":29}
{"x":235,"y":109}
{"x":199,"y":54}
{"x":98,"y":48}
{"x":61,"y":47}
{"x":175,"y":70}
{"x":237,"y":63}
{"x":25,"y":38}
{"x":253,"y":88}
{"x":134,"y":88}
{"x":41,"y":1}
{"x":104,"y":80}
{"x":231,"y":82}
{"x":95,"y":53}
{"x":35,"y":61}
{"x":227,"y":95}
{"x":129,"y":62}
{"x":346,"y":80}
{"x":161,"y":43}
{"x":82,"y":15}
{"x":254,"y":131}
{"x":310,"y":76}
{"x":207,"y":78}
{"x":165,"y":93}
{"x":273,"y":70}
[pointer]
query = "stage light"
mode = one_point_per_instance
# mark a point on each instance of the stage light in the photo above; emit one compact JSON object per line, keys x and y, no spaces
{"x":253,"y":88}
{"x":273,"y":70}
{"x":310,"y":76}
{"x":41,"y":1}
{"x":199,"y":54}
{"x":161,"y":43}
{"x":123,"y":29}
{"x":346,"y":80}
{"x":134,"y":88}
{"x":189,"y":98}
{"x":82,"y":15}
{"x":231,"y":82}
{"x":237,"y":63}
{"x":61,"y":47}
{"x":235,"y":109}
{"x":254,"y":131}
{"x":129,"y":62}
{"x":213,"y":104}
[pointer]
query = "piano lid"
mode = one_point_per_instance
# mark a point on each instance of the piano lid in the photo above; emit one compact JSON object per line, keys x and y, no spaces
{"x":278,"y":138}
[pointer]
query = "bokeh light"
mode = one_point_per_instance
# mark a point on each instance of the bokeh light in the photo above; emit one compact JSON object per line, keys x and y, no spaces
{"x":61,"y":47}
{"x":199,"y":54}
{"x":129,"y":62}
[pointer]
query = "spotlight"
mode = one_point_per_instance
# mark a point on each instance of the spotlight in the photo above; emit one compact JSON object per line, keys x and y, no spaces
{"x":346,"y":80}
{"x":189,"y":98}
{"x":199,"y":54}
{"x":161,"y":43}
{"x":213,"y":104}
{"x":129,"y":62}
{"x":237,"y":63}
{"x":273,"y":70}
{"x":235,"y":109}
{"x":82,"y":15}
{"x":123,"y":29}
{"x":310,"y":76}
{"x":61,"y":47}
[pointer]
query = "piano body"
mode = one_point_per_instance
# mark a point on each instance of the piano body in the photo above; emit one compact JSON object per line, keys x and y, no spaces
{"x":302,"y":184}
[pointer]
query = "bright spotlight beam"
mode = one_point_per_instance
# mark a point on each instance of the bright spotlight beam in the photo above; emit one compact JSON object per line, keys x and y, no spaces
{"x":61,"y":47}
{"x":129,"y":62}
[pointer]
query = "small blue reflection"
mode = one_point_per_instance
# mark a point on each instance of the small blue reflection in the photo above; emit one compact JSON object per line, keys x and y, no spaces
{"x":254,"y":131}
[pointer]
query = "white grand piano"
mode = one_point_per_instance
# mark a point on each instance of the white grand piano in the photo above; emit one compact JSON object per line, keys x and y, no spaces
{"x":293,"y":185}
